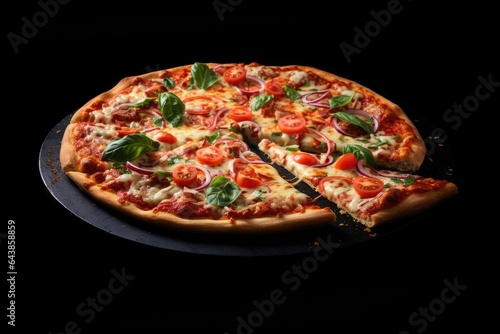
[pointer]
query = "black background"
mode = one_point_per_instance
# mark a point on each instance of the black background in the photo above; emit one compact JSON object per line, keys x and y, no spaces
{"x":425,"y":58}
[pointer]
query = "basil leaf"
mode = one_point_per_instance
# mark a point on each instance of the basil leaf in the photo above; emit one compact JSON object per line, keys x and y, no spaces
{"x":142,"y":103}
{"x":172,"y":108}
{"x":291,"y":93}
{"x":169,"y":83}
{"x":354,"y":120}
{"x":361,"y":152}
{"x":259,"y":100}
{"x":222,"y":191}
{"x":339,"y":100}
{"x":129,"y":148}
{"x":203,"y":76}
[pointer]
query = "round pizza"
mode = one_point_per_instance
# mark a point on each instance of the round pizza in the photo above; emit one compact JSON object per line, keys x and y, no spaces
{"x":196,"y":148}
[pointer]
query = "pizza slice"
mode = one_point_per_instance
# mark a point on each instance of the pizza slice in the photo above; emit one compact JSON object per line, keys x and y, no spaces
{"x":358,"y":187}
{"x":322,"y":112}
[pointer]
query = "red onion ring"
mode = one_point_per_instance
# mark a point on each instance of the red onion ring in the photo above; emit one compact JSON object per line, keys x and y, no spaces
{"x":137,"y":169}
{"x":213,"y":125}
{"x":330,"y":146}
{"x":208,"y":177}
{"x":324,"y":94}
{"x":252,"y":91}
{"x":233,"y":140}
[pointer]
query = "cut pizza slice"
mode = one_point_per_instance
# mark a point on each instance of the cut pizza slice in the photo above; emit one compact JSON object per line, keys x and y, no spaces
{"x":370,"y":195}
{"x":322,"y":112}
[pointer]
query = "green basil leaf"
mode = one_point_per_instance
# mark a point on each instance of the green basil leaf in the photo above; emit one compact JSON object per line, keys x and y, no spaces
{"x":203,"y":77}
{"x":129,"y":148}
{"x":259,"y":100}
{"x":169,"y":83}
{"x":172,"y":108}
{"x":291,"y":93}
{"x":339,"y":100}
{"x":222,"y":191}
{"x":361,"y":152}
{"x":354,"y":120}
{"x":142,"y":103}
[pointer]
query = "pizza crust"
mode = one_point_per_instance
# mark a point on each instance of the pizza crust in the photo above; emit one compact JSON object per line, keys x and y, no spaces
{"x":412,"y":205}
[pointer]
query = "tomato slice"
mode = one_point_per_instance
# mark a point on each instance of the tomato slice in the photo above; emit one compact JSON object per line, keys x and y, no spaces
{"x":235,"y":74}
{"x":240,"y":113}
{"x":292,"y":124}
{"x":165,"y":137}
{"x":305,"y":158}
{"x":184,"y":175}
{"x":346,"y":161}
{"x":210,"y":155}
{"x":248,"y":178}
{"x":367,"y":186}
{"x":274,"y":88}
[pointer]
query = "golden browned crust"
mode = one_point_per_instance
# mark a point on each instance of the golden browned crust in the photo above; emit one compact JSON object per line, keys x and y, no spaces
{"x":67,"y":154}
{"x":414,"y":204}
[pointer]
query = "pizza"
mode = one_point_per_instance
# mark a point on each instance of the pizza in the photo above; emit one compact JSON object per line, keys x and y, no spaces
{"x":198,"y":148}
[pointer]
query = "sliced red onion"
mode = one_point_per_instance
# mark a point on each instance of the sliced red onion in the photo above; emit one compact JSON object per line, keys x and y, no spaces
{"x":366,"y":170}
{"x":251,"y":124}
{"x":252,"y":91}
{"x":213,"y":125}
{"x":243,"y":156}
{"x":356,"y":112}
{"x":323,"y":94}
{"x":208,"y":177}
{"x":372,"y":172}
{"x":329,"y":161}
{"x":330,"y":145}
{"x":137,"y":169}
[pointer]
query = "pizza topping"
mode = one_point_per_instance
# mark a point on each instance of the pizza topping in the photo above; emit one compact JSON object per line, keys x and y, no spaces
{"x":172,"y":108}
{"x":240,"y":113}
{"x":346,"y":161}
{"x":305,"y":158}
{"x":248,"y":178}
{"x":351,"y":117}
{"x":202,"y":76}
{"x":367,"y":186}
{"x":251,"y":85}
{"x":129,"y":148}
{"x":222,"y":191}
{"x":273,"y":88}
{"x":235,"y":74}
{"x":210,"y":155}
{"x":291,"y":124}
{"x":137,"y":169}
{"x":185,"y":175}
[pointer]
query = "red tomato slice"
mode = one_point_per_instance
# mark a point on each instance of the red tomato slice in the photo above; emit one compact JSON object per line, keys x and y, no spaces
{"x":274,"y":88}
{"x":210,"y":155}
{"x":248,"y":178}
{"x":234,"y":75}
{"x":165,"y":137}
{"x":240,"y":113}
{"x":292,"y":124}
{"x":367,"y":186}
{"x":346,"y":161}
{"x":184,"y":175}
{"x":305,"y":158}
